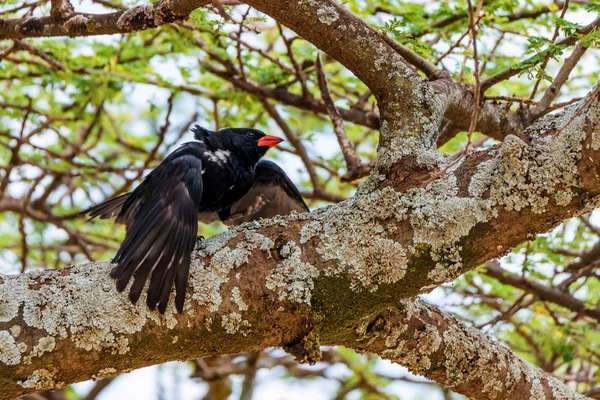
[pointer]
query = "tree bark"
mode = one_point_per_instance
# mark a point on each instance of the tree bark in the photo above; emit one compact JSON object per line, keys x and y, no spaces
{"x":62,"y":327}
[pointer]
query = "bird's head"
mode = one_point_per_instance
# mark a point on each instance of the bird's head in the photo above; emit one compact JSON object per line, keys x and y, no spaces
{"x":247,"y":143}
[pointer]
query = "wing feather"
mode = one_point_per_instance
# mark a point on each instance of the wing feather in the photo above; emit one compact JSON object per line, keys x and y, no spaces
{"x":108,"y":209}
{"x":271,"y":194}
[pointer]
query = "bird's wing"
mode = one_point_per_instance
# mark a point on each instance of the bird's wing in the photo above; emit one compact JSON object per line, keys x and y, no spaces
{"x":161,"y":219}
{"x":271,"y":194}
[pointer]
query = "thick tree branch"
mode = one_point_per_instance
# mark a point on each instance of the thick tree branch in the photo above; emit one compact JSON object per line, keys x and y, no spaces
{"x":66,"y":23}
{"x":304,"y":278}
{"x":331,"y":276}
{"x":436,"y":345}
{"x":72,"y":327}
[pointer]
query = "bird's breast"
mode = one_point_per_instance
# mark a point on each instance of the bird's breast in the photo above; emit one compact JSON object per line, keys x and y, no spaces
{"x":224,"y":183}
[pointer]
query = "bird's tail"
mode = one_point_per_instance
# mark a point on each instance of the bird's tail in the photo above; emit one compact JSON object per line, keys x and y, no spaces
{"x":108,"y":209}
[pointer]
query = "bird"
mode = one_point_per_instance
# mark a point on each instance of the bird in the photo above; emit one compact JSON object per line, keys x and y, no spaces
{"x":219,"y":176}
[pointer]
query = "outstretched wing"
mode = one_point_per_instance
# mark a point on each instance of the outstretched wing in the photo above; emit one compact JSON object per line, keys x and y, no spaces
{"x":162,"y":226}
{"x":271,"y":194}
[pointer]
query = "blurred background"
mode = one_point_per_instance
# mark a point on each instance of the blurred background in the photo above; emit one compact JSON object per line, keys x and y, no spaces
{"x":83,"y":120}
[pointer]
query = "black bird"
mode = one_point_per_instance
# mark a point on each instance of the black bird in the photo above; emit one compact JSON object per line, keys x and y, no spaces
{"x":218,"y":177}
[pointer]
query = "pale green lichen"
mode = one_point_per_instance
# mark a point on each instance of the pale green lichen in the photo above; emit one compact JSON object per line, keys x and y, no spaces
{"x":15,"y":331}
{"x":560,"y":391}
{"x":356,"y":245}
{"x":465,"y":356}
{"x":104,"y":373}
{"x":529,"y":175}
{"x":45,"y":345}
{"x":564,"y":197}
{"x":595,"y":143}
{"x":481,"y":179}
{"x":236,"y":298}
{"x":309,"y":231}
{"x":416,"y":357}
{"x":408,"y":143}
{"x":233,"y":323}
{"x":81,"y":306}
{"x":207,"y":281}
{"x":254,"y":240}
{"x":440,"y":218}
{"x":292,"y":279}
{"x":40,"y":379}
{"x":326,"y":14}
{"x":9,"y":351}
{"x":8,"y":308}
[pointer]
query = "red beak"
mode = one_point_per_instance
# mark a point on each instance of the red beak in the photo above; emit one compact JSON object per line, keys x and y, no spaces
{"x":269,"y":141}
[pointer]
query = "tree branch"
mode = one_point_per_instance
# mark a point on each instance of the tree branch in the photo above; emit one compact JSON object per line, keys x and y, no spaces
{"x":72,"y":24}
{"x":353,"y":163}
{"x":561,"y":78}
{"x":437,"y":346}
{"x":509,"y":73}
{"x":61,"y":8}
{"x":312,"y":277}
{"x":72,"y":326}
{"x":545,"y":293}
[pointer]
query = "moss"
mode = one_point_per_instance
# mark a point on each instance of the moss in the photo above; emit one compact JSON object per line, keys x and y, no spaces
{"x":340,"y":309}
{"x":307,"y":350}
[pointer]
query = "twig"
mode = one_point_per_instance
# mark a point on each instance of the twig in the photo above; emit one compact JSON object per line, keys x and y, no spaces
{"x":561,"y":77}
{"x":477,"y":106}
{"x":295,"y":141}
{"x":239,"y":44}
{"x":98,"y":388}
{"x":24,"y":45}
{"x":547,"y":57}
{"x":299,"y":72}
{"x":511,"y":99}
{"x":515,"y":69}
{"x":353,"y":163}
{"x":493,"y":51}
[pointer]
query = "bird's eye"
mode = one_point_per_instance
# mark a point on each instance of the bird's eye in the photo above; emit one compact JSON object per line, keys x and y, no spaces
{"x":250,"y":134}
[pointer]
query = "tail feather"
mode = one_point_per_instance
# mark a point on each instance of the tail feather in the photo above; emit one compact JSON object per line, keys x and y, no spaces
{"x":108,"y":209}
